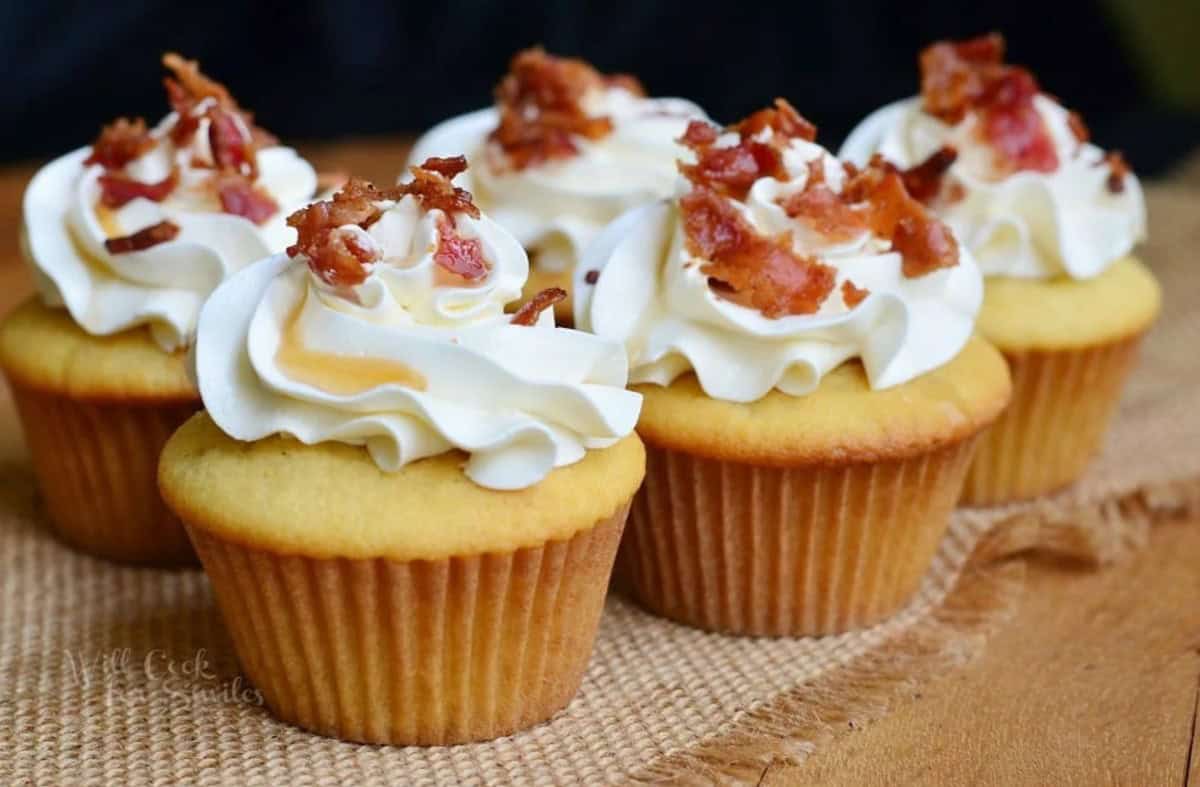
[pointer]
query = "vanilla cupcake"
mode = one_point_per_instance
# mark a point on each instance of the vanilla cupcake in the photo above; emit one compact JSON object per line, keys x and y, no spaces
{"x":1051,"y":219}
{"x":127,"y":238}
{"x":802,"y":335}
{"x":408,"y":501}
{"x":564,"y":151}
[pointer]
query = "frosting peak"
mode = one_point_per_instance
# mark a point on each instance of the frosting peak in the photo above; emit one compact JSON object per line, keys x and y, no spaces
{"x":140,"y":227}
{"x":564,"y":151}
{"x":387,"y":329}
{"x":773,"y":265}
{"x":1023,"y":187}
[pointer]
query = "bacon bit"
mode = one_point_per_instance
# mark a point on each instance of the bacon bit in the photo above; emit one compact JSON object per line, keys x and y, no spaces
{"x":729,"y":170}
{"x":458,"y":255}
{"x":540,"y":103}
{"x":531,"y":310}
{"x":119,"y":143}
{"x":852,"y":295}
{"x":972,"y":75}
{"x":924,"y":180}
{"x":954,"y":75}
{"x":923,"y":242}
{"x":343,"y":259}
{"x":1012,"y":125}
{"x":850,"y":169}
{"x":117,"y":190}
{"x":187,"y":89}
{"x":1118,"y":168}
{"x":591,"y":277}
{"x":153,"y":235}
{"x":1078,"y":127}
{"x":232,"y":149}
{"x":333,"y":255}
{"x":239,"y":196}
{"x":782,"y":119}
{"x":880,"y":189}
{"x":431,"y":185}
{"x":925,"y":245}
{"x":699,"y":134}
{"x":822,"y":209}
{"x":748,"y":269}
{"x":448,"y":167}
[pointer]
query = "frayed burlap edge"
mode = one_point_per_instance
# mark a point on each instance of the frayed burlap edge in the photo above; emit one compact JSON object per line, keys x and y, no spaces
{"x":791,"y":727}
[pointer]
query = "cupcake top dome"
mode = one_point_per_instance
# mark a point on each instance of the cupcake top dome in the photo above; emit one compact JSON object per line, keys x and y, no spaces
{"x":1013,"y":171}
{"x":775,"y":263}
{"x":564,"y":150}
{"x":138,"y":228}
{"x":384,"y":326}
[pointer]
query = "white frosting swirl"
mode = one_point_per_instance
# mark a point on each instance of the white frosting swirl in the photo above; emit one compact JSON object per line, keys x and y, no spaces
{"x":653,"y":296}
{"x":1026,"y":224}
{"x":555,"y":208}
{"x":165,"y":285}
{"x":419,"y":365}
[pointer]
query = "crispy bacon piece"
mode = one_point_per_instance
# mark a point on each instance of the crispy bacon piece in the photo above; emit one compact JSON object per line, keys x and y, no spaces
{"x":923,"y":242}
{"x":748,"y":269}
{"x":955,"y":74}
{"x":818,"y":206}
{"x":343,"y":257}
{"x":337,"y":257}
{"x":782,"y":119}
{"x":925,"y":245}
{"x":432,"y":186}
{"x":117,"y":190}
{"x":119,"y":143}
{"x":448,"y":167}
{"x":239,"y":196}
{"x":957,"y":77}
{"x":541,"y":111}
{"x":1078,"y":127}
{"x":699,"y":134}
{"x":1012,"y":125}
{"x":532,"y":309}
{"x":729,"y":170}
{"x":924,"y":180}
{"x":144,"y":238}
{"x":232,"y":146}
{"x":458,"y":255}
{"x":1118,"y":168}
{"x":853,"y":295}
{"x":187,"y":89}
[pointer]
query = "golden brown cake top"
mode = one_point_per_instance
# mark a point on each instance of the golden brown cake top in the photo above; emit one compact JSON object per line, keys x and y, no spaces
{"x":1067,"y":314}
{"x":43,"y":348}
{"x":331,"y":500}
{"x":843,"y":420}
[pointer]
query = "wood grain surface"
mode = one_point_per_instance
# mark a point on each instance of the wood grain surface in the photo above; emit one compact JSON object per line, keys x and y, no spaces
{"x":1096,"y":681}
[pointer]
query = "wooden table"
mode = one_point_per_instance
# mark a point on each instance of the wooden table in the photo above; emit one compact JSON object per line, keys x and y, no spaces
{"x":1096,"y":680}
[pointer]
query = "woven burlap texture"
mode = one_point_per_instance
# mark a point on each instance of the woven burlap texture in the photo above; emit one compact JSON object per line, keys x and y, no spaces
{"x":125,"y":676}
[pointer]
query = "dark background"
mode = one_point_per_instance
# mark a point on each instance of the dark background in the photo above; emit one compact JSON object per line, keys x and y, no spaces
{"x":313,"y":70}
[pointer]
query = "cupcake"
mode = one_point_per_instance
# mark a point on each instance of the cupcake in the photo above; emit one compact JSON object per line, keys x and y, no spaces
{"x":801,"y":332}
{"x":127,"y":238}
{"x":408,"y":501}
{"x":564,"y":151}
{"x":1051,"y":220}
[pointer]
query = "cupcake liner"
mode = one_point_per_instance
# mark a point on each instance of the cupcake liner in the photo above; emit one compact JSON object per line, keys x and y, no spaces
{"x":97,"y":468}
{"x":1061,"y":406}
{"x":786,"y":551}
{"x":415,"y":652}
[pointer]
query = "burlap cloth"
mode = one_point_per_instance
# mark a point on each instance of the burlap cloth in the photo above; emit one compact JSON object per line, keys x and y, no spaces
{"x":125,"y":676}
